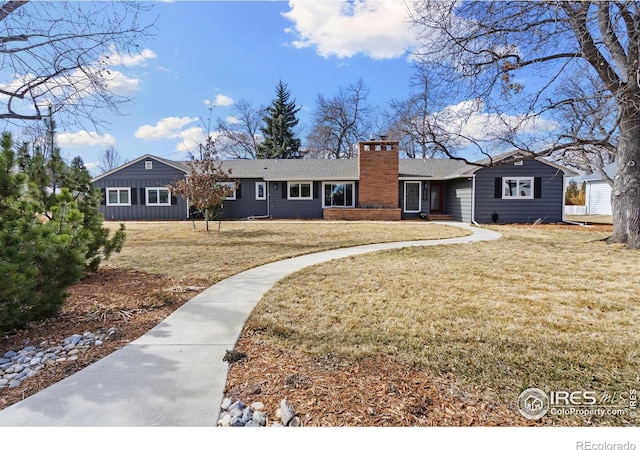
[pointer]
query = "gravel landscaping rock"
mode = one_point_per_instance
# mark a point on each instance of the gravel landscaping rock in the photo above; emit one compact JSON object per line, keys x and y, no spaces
{"x":19,"y":364}
{"x":237,"y":414}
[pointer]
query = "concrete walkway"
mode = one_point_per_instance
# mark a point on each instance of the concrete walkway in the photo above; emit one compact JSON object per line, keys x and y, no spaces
{"x":174,"y":375}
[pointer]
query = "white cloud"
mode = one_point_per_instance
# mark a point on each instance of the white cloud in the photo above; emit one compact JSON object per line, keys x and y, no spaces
{"x":120,"y":84}
{"x":167,"y":128}
{"x":137,"y":59}
{"x":190,"y":138}
{"x":220,"y":100}
{"x":377,"y":28}
{"x":233,"y":120}
{"x":174,"y":128}
{"x":468,"y":118}
{"x":85,"y":138}
{"x":92,"y":166}
{"x":74,"y":87}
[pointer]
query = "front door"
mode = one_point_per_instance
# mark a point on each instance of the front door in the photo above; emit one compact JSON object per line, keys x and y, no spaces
{"x":437,"y":197}
{"x":412,"y":197}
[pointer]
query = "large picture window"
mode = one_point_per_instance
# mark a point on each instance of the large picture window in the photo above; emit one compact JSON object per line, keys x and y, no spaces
{"x":158,"y":197}
{"x":118,"y":196}
{"x":300,"y":190}
{"x":517,"y":187}
{"x":338,"y":195}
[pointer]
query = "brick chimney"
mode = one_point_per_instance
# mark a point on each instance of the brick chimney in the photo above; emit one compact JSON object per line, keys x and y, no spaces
{"x":378,"y":171}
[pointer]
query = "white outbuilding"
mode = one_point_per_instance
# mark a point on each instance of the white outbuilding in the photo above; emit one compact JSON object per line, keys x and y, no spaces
{"x":598,"y":191}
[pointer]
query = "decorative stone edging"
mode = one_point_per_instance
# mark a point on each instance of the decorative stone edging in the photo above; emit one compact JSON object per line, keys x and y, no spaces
{"x":237,"y":414}
{"x":18,"y":365}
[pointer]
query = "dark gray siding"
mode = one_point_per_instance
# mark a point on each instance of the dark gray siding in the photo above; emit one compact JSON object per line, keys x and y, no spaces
{"x":457,"y":200}
{"x":137,"y":177}
{"x":281,"y":208}
{"x":548,"y":207}
{"x":245,"y":205}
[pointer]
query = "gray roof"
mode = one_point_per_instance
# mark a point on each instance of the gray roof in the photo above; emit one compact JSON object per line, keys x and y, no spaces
{"x":610,"y":170}
{"x":293,"y":169}
{"x":326,"y":169}
{"x":336,"y":169}
{"x":437,"y":168}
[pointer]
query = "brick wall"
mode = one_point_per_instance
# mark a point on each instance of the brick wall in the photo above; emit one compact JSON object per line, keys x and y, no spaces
{"x":378,"y":171}
{"x":361,"y":214}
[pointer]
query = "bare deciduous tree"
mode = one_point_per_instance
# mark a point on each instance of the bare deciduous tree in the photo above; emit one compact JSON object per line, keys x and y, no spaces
{"x":339,"y":122}
{"x":414,"y":121}
{"x":514,"y":55}
{"x":110,"y":158}
{"x":239,"y":136}
{"x":207,"y":184}
{"x":61,"y":55}
{"x":587,"y":135}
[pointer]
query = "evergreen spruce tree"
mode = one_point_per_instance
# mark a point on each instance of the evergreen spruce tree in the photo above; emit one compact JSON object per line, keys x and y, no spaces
{"x":280,"y":120}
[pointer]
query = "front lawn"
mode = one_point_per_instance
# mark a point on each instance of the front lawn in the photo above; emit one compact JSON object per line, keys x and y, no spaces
{"x":177,"y":250}
{"x":546,"y":307}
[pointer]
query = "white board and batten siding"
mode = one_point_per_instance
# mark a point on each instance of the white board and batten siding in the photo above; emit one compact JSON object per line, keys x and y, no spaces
{"x":598,"y":198}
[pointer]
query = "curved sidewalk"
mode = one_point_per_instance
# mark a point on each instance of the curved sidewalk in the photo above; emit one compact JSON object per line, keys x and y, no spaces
{"x":174,"y":375}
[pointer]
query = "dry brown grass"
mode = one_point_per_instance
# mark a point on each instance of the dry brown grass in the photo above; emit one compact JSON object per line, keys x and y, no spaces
{"x":177,"y":250}
{"x":600,"y":218}
{"x":550,"y":308}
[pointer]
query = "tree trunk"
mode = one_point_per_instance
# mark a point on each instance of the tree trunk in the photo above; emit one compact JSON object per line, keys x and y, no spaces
{"x":625,"y":195}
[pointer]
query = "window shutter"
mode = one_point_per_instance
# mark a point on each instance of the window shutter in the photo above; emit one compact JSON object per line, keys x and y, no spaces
{"x":103,"y":200}
{"x":174,"y":199}
{"x":537,"y":187}
{"x":316,"y":189}
{"x":498,"y":187}
{"x":284,"y":189}
{"x":143,"y":198}
{"x":134,"y":197}
{"x":238,"y":191}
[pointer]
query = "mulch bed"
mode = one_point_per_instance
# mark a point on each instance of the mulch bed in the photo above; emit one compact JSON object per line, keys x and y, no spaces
{"x":376,"y":392}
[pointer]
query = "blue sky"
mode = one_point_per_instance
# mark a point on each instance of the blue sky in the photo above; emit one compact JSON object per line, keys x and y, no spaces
{"x":220,"y":52}
{"x":217,"y":53}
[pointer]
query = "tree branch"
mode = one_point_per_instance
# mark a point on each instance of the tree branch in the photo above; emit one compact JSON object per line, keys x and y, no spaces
{"x":9,"y":7}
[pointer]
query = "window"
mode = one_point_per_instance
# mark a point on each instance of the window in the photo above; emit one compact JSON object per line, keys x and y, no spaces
{"x":232,"y":190}
{"x":158,"y":197}
{"x":337,"y":195}
{"x":118,"y":196}
{"x":261,"y":190}
{"x":148,"y":165}
{"x":517,"y":187}
{"x":300,"y":190}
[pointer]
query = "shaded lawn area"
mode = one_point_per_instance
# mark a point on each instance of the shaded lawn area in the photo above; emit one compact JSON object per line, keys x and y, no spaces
{"x":552,"y":308}
{"x":177,"y":250}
